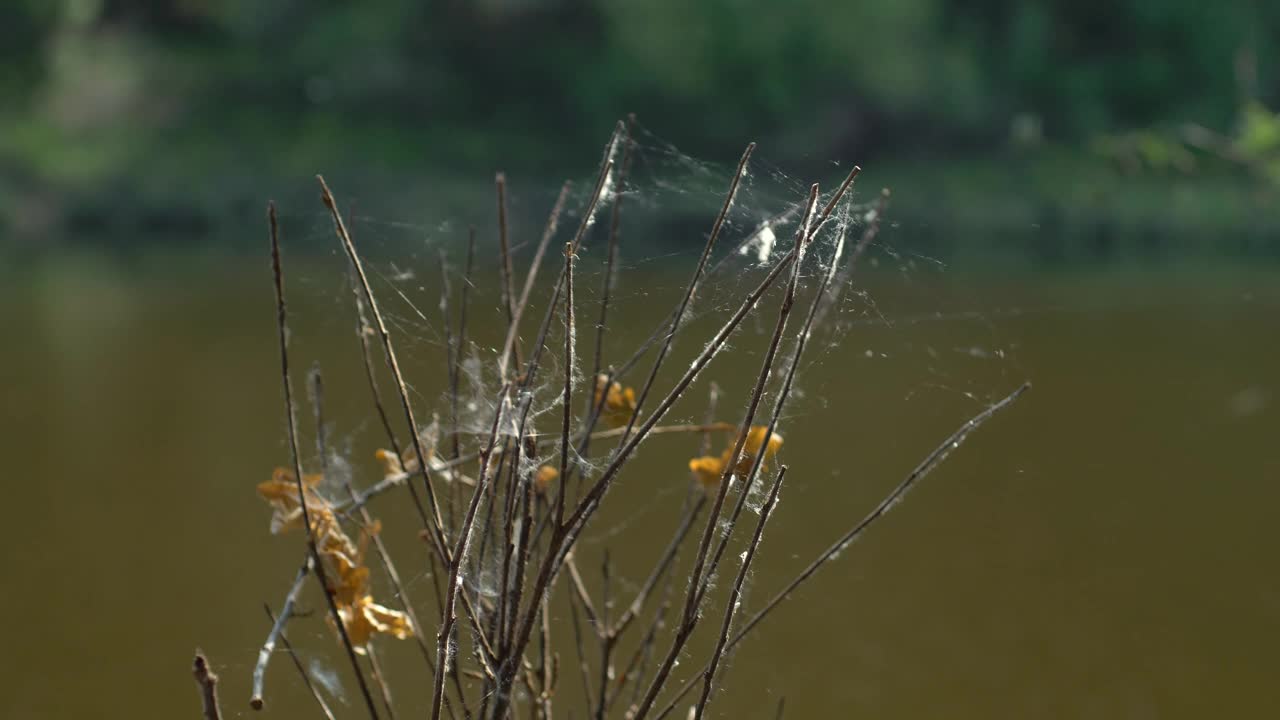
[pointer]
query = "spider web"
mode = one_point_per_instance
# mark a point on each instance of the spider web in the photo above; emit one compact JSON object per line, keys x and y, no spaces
{"x":897,"y":330}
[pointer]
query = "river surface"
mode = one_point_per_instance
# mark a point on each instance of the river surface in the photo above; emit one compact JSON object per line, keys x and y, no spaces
{"x":1106,"y":548}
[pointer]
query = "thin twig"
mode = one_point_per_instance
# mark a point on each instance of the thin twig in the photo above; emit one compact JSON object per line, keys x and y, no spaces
{"x":444,"y":637}
{"x":615,"y":224}
{"x":208,"y":683}
{"x":316,"y":386}
{"x":451,"y":369}
{"x":644,"y":654}
{"x":461,"y":342}
{"x":693,"y":597}
{"x":583,"y":666}
{"x":522,"y":550}
{"x":357,"y":500}
{"x":548,"y":232}
{"x":297,"y":663}
{"x":384,"y":555}
{"x":506,"y":614}
{"x":501,"y":618}
{"x":564,"y":538}
{"x":784,"y":393}
{"x":607,"y":639}
{"x":569,"y":364}
{"x":264,"y":655}
{"x":586,"y":507}
{"x":691,"y":288}
{"x":435,"y":524}
{"x":931,"y":461}
{"x":560,"y":498}
{"x":664,"y":562}
{"x":548,"y":660}
{"x":381,"y":681}
{"x":505,"y":267}
{"x":531,"y":368}
{"x":363,"y":331}
{"x":729,"y":470}
{"x":588,"y":216}
{"x":282,"y":326}
{"x":735,"y":595}
{"x":510,"y":664}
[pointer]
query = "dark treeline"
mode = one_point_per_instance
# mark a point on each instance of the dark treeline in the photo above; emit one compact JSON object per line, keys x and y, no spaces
{"x":879,"y":75}
{"x":157,"y":91}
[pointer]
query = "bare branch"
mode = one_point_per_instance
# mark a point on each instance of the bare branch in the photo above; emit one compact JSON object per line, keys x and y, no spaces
{"x":735,"y":595}
{"x":282,"y":326}
{"x":435,"y":524}
{"x":694,"y":597}
{"x":548,"y":232}
{"x":459,"y":555}
{"x":297,"y":663}
{"x":208,"y":683}
{"x":277,"y":628}
{"x":931,"y":461}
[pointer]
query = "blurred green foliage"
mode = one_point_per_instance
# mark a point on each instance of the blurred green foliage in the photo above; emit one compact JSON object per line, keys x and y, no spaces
{"x":1259,"y":141}
{"x":865,"y":72}
{"x":162,"y":89}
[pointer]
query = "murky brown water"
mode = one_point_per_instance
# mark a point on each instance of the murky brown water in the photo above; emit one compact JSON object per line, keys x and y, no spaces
{"x":1105,"y":549}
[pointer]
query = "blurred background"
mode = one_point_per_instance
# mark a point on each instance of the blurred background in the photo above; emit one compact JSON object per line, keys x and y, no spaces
{"x":1084,"y":196}
{"x":1090,"y":117}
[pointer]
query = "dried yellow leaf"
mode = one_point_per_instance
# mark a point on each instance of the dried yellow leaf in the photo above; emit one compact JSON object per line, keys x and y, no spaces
{"x":619,"y":402}
{"x":365,"y":618}
{"x":348,"y":575}
{"x":281,"y":493}
{"x":708,"y":469}
{"x":755,"y":439}
{"x":391,"y":465}
{"x":543,"y":478}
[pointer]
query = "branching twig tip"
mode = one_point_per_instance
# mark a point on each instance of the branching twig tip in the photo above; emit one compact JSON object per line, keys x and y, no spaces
{"x":208,"y":682}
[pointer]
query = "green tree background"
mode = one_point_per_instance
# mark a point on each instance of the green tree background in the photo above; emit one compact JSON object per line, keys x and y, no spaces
{"x":149,"y":93}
